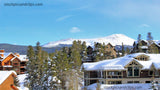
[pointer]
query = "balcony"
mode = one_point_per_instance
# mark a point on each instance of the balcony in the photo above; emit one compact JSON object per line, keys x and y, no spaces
{"x":22,"y":72}
{"x":22,"y":66}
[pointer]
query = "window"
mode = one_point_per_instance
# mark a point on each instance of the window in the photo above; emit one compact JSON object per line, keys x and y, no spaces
{"x":148,"y":81}
{"x":15,"y":63}
{"x":136,"y":71}
{"x":142,"y":58}
{"x":114,"y":73}
{"x":130,"y":71}
{"x":133,"y":71}
{"x":155,"y":72}
{"x":114,"y":82}
{"x":133,"y":82}
{"x":136,"y":81}
{"x":130,"y":82}
{"x":6,"y":63}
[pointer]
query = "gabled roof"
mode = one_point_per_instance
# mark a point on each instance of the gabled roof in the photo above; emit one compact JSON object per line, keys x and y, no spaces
{"x":15,"y":58}
{"x":21,"y":57}
{"x":134,"y":60}
{"x":5,"y":75}
{"x":110,"y":44}
{"x":6,"y":55}
{"x":136,"y":42}
{"x":120,"y":63}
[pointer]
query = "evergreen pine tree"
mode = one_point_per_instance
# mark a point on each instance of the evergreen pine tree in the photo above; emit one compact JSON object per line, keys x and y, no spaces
{"x":16,"y":81}
{"x":39,"y":65}
{"x":98,"y":52}
{"x":149,"y":38}
{"x":39,"y":68}
{"x":31,"y":67}
{"x":139,"y":38}
{"x":75,"y":55}
{"x":45,"y":74}
{"x":123,"y":51}
{"x":127,"y":50}
{"x":84,"y":51}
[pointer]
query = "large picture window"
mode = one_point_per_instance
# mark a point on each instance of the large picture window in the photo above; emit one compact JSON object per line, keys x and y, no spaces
{"x":133,"y":71}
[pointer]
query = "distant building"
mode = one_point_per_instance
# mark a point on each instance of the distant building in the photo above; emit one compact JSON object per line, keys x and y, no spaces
{"x":7,"y":80}
{"x":13,"y":61}
{"x":133,"y":68}
{"x":146,"y":47}
{"x":110,"y":53}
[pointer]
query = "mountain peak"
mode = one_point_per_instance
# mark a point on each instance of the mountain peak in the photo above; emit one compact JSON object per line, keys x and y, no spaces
{"x":114,"y":39}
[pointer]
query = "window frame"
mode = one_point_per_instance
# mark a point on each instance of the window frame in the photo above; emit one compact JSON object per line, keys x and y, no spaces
{"x":133,"y":65}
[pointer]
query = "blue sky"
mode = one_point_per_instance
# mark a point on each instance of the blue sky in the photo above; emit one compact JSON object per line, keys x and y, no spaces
{"x":62,"y":19}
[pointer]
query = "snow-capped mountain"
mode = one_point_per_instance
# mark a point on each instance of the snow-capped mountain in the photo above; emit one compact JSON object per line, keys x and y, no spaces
{"x":115,"y":39}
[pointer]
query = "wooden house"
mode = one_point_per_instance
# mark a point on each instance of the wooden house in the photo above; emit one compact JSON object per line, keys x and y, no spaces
{"x":146,"y":47}
{"x":112,"y":53}
{"x":132,"y":68}
{"x":13,"y":61}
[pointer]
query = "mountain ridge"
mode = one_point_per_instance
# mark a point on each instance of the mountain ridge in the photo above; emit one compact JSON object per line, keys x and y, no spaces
{"x":114,"y":39}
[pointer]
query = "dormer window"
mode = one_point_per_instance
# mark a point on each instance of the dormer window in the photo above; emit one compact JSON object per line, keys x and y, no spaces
{"x":142,"y":58}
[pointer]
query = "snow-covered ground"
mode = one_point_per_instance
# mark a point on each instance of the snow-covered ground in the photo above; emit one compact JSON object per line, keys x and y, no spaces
{"x":21,"y":82}
{"x":121,"y":87}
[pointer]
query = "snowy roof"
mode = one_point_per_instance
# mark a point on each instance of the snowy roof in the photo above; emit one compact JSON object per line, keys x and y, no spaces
{"x":136,"y":42}
{"x":23,"y":57}
{"x":144,"y":47}
{"x":120,"y":63}
{"x":5,"y":55}
{"x":4,"y":75}
{"x":157,"y":42}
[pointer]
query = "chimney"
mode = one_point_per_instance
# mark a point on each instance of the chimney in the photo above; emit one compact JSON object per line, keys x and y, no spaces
{"x":17,"y":54}
{"x":1,"y":53}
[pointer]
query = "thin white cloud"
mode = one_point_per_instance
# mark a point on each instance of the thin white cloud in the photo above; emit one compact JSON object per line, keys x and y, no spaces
{"x":75,"y":30}
{"x":149,"y":10}
{"x":141,"y":9}
{"x":145,"y":25}
{"x":63,"y":17}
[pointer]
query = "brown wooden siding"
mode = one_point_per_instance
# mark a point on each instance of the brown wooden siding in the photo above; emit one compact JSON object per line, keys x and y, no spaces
{"x":6,"y":85}
{"x":6,"y":61}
